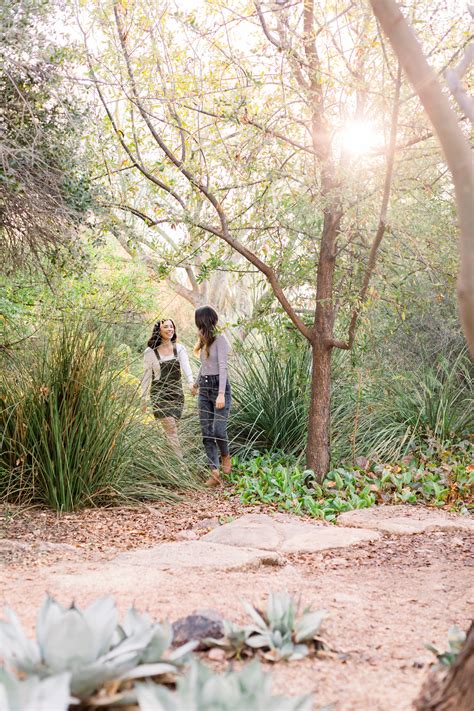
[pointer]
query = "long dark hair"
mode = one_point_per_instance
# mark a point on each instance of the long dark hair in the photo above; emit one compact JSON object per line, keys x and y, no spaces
{"x":156,"y":337}
{"x":206,"y":321}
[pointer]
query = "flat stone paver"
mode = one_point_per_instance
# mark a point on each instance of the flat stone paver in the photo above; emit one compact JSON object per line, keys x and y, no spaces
{"x":405,"y":520}
{"x":286,"y":534}
{"x":198,"y":554}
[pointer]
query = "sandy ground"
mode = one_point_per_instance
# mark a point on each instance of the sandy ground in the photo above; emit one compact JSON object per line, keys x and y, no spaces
{"x":385,"y":600}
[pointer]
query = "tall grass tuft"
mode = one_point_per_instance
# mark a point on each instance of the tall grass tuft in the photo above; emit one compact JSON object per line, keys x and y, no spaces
{"x":386,"y":415}
{"x":270,"y":385}
{"x":71,"y":431}
{"x":376,"y":414}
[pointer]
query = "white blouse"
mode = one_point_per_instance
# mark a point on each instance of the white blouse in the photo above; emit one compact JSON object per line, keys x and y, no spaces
{"x":152,"y":370}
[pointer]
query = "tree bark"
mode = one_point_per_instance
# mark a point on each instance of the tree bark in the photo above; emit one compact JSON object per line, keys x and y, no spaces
{"x":456,"y":691}
{"x":319,"y":423}
{"x":319,"y":419}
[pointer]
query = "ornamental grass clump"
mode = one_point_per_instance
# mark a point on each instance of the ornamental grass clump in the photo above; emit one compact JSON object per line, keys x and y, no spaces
{"x":71,"y":432}
{"x":202,"y":689}
{"x":270,"y":389}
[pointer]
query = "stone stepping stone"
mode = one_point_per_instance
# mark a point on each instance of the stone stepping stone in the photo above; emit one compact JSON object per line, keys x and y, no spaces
{"x":286,"y":534}
{"x":405,"y":520}
{"x":199,"y":554}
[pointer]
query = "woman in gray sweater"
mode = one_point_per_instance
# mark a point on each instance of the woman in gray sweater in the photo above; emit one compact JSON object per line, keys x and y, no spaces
{"x":214,"y":392}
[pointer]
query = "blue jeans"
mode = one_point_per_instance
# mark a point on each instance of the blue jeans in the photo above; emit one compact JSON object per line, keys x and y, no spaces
{"x":213,"y":422}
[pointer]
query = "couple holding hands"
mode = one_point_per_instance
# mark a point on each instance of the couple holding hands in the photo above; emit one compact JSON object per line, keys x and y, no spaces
{"x":165,"y":359}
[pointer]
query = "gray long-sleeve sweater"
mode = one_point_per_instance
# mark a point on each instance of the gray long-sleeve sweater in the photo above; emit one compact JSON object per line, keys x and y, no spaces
{"x":216,"y":362}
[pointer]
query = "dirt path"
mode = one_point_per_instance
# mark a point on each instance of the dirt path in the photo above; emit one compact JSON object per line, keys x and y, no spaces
{"x":385,"y":598}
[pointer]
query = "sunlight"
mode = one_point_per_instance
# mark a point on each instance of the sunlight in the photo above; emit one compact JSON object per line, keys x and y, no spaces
{"x":360,"y":137}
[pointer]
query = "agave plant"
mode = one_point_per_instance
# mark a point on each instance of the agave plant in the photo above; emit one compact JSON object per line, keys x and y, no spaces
{"x":456,"y":639}
{"x":279,"y":632}
{"x":201,"y":690}
{"x":34,"y":694}
{"x":90,"y":645}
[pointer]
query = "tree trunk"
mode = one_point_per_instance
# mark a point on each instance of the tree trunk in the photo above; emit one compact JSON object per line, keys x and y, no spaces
{"x":456,"y":691}
{"x":319,"y":423}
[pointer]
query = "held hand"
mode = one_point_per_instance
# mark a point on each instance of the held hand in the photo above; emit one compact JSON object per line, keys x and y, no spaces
{"x":194,"y":389}
{"x":144,"y":407}
{"x":220,"y":402}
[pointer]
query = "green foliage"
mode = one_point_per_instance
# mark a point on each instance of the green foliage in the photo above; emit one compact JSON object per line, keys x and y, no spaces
{"x":201,"y":690}
{"x":377,"y":414}
{"x":33,"y":693}
{"x":279,"y":632}
{"x":437,"y":477}
{"x":271,"y":385}
{"x":72,"y":435}
{"x":45,"y":188}
{"x":390,"y":414}
{"x":89,"y":648}
{"x":456,"y":639}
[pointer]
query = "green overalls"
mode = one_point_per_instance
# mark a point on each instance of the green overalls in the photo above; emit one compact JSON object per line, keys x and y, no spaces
{"x":167,"y":397}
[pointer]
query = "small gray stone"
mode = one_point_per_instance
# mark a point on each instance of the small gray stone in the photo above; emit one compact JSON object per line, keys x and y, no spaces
{"x":196,"y":628}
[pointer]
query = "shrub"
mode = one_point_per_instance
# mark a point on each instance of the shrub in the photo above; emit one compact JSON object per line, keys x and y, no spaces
{"x":72,"y":435}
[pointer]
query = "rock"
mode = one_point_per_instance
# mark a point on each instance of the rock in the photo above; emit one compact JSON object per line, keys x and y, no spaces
{"x":217,"y":654}
{"x":198,"y":554}
{"x":405,"y":520}
{"x":327,"y":538}
{"x":196,"y":627}
{"x":286,"y":534}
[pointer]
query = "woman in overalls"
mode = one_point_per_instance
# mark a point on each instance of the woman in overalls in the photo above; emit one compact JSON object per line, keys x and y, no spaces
{"x":163,"y":361}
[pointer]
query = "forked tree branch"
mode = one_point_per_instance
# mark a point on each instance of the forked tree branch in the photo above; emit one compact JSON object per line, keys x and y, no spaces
{"x":223,"y":232}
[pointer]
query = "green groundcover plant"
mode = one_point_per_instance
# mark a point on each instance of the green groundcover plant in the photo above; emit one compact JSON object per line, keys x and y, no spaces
{"x":436,"y":477}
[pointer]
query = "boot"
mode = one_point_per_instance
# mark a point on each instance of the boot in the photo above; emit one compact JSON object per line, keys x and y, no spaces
{"x":226,"y":463}
{"x":215,"y":479}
